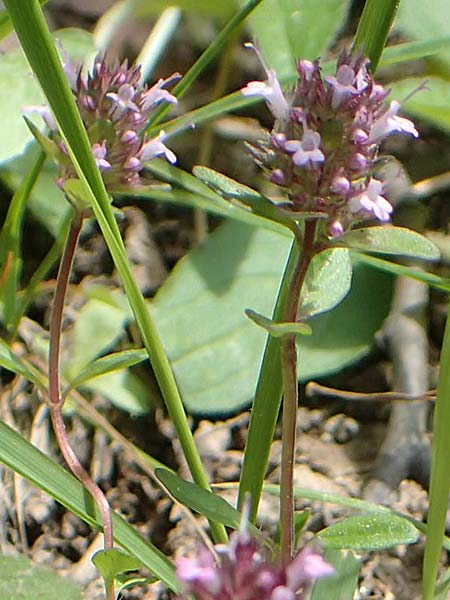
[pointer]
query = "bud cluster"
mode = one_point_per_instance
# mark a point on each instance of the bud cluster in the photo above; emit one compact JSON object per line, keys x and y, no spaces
{"x":326,"y":138}
{"x":115,"y":109}
{"x":244,"y":573}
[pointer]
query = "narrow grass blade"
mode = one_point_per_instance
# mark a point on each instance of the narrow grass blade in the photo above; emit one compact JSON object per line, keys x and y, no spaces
{"x":440,"y":473}
{"x":11,"y":245}
{"x":41,"y":471}
{"x":38,"y":46}
{"x":207,"y":57}
{"x":373,"y":29}
{"x":266,"y":405}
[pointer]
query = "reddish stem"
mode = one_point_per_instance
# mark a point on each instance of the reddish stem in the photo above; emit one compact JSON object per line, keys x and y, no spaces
{"x":56,"y":401}
{"x":290,"y":396}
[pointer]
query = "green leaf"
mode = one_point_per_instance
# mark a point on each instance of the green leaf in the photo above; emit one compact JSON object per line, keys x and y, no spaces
{"x":97,"y":327}
{"x":107,"y":364}
{"x":414,"y":50}
{"x":124,"y":390}
{"x":259,"y":204}
{"x":286,"y":30}
{"x":342,"y":585}
{"x":277,"y":329}
{"x":198,"y":194}
{"x":20,"y":579}
{"x":391,"y":240}
{"x":201,"y":501}
{"x":18,"y":454}
{"x":220,"y":10}
{"x":46,"y":203}
{"x":441,"y":283}
{"x":377,"y":531}
{"x":431,"y":103}
{"x":424,"y":20}
{"x":10,"y":361}
{"x":113,"y":562}
{"x":15,"y":76}
{"x":373,"y":29}
{"x":344,"y":335}
{"x":327,"y":282}
{"x":238,"y":268}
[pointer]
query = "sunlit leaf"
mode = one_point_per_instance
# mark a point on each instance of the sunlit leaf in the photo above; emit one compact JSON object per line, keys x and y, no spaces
{"x":377,"y":531}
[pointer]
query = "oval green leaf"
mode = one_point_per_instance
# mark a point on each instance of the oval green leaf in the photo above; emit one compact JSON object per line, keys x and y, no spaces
{"x":391,"y":240}
{"x":20,"y":579}
{"x":377,"y":531}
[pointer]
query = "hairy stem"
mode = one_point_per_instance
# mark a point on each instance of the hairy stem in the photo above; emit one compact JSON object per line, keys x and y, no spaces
{"x":290,"y":396}
{"x":56,"y":401}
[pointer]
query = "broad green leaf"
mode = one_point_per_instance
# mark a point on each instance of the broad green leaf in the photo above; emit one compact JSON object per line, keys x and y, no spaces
{"x":15,"y":76}
{"x":377,"y":531}
{"x":424,"y":20}
{"x":344,"y":335}
{"x":277,"y":329}
{"x":113,"y":562}
{"x":221,"y":10}
{"x":342,"y":585}
{"x":205,"y":503}
{"x":124,"y":390}
{"x":46,"y":203}
{"x":286,"y":30}
{"x":20,"y":579}
{"x":327,"y":282}
{"x":107,"y":364}
{"x":18,"y":454}
{"x":431,"y":103}
{"x":391,"y":240}
{"x":97,"y":327}
{"x":216,"y":351}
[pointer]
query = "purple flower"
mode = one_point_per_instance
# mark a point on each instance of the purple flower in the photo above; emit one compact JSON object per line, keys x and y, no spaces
{"x":346,"y":83}
{"x":156,"y":94}
{"x":115,"y":108}
{"x":156,"y":147}
{"x":270,"y":90}
{"x":372,"y":201}
{"x":244,"y":572}
{"x":123,"y":100}
{"x":389,"y":123}
{"x":306,"y":152}
{"x":325,"y":142}
{"x":99,"y":151}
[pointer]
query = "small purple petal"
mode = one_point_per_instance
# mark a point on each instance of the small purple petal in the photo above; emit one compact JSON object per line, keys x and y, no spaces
{"x":132,"y":164}
{"x":156,"y":147}
{"x":156,"y":94}
{"x":372,"y":201}
{"x":340,"y":186}
{"x":389,"y":123}
{"x":99,"y":152}
{"x":128,"y":136}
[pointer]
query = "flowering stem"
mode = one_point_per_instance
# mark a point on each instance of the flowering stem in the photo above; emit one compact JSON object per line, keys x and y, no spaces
{"x":290,"y":396}
{"x":56,"y":401}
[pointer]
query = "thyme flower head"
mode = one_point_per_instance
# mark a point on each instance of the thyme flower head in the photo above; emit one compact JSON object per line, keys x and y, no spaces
{"x":115,"y":108}
{"x":326,"y":138}
{"x":243,"y":572}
